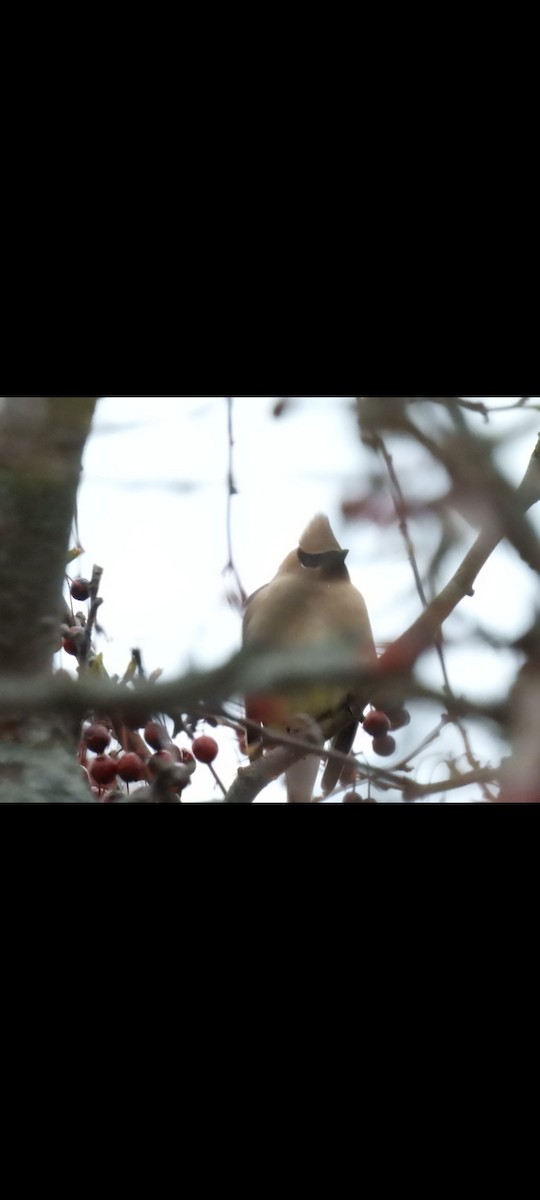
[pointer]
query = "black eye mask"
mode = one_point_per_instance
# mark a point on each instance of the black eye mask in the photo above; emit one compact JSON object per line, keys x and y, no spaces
{"x":326,"y":559}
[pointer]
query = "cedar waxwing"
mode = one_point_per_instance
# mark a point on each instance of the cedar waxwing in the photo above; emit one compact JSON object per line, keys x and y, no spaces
{"x":310,"y":600}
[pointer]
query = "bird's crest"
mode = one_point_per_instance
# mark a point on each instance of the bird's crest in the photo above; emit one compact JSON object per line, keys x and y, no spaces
{"x":317,"y":537}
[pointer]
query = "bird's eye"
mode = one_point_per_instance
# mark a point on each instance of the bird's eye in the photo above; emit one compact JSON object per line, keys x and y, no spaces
{"x":310,"y":560}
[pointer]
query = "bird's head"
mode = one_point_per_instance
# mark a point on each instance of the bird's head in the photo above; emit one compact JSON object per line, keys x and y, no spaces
{"x":318,"y":551}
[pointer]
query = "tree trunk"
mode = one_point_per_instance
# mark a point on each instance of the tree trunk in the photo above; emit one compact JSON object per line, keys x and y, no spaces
{"x":41,"y":446}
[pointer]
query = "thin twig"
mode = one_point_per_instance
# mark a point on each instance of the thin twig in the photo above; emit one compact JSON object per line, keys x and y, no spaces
{"x":401,"y":509}
{"x":217,"y":779}
{"x":479,"y":406}
{"x":231,"y":488}
{"x":519,"y":404}
{"x":231,"y":491}
{"x":95,"y":602}
{"x":431,"y":737}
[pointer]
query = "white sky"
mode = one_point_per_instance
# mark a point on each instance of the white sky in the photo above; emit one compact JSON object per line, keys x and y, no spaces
{"x":152,"y":512}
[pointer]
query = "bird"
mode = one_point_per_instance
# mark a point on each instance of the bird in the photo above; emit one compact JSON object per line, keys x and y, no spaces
{"x":309,"y":602}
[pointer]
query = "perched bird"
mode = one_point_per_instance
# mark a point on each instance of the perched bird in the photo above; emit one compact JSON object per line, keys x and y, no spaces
{"x":310,"y":601}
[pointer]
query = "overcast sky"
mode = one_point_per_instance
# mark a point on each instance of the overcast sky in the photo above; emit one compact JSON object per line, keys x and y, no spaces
{"x":152,"y":512}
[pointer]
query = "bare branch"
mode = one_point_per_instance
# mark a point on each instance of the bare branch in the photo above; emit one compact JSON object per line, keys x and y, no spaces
{"x":424,"y":631}
{"x":473,"y":405}
{"x":252,"y":779}
{"x":401,"y":511}
{"x":415,"y":791}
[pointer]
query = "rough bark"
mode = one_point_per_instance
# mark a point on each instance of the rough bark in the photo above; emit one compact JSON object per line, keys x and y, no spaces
{"x":41,"y":445}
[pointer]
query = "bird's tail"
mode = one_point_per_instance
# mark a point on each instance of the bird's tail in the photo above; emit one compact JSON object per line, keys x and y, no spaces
{"x":343,"y":742}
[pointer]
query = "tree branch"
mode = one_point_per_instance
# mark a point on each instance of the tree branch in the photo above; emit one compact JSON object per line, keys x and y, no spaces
{"x":423,"y":632}
{"x":415,"y":791}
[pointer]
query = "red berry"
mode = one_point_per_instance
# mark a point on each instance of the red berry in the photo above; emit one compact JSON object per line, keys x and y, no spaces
{"x":205,"y":749}
{"x":73,"y":639}
{"x":384,"y":745}
{"x":376,"y":724}
{"x":168,"y":772}
{"x":399,"y":718}
{"x":353,"y":798}
{"x":97,"y":738}
{"x":80,"y":589}
{"x":156,"y":735}
{"x":103,"y":769}
{"x":69,"y":646}
{"x":131,"y":767}
{"x":159,"y":760}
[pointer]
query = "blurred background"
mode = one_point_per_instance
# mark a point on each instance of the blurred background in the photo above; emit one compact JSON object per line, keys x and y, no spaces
{"x":154,"y":512}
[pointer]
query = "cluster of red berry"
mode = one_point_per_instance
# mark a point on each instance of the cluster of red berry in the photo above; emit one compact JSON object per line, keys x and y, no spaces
{"x":377,"y":725}
{"x":167,"y":770}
